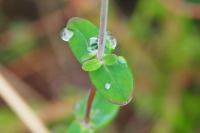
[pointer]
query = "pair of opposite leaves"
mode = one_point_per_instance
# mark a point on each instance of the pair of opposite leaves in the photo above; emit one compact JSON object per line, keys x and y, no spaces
{"x":111,"y":77}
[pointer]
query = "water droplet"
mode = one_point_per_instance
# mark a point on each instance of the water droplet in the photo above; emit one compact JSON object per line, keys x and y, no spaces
{"x":107,"y":86}
{"x":66,"y":34}
{"x":121,"y":60}
{"x":112,"y":40}
{"x":93,"y":45}
{"x":127,"y":102}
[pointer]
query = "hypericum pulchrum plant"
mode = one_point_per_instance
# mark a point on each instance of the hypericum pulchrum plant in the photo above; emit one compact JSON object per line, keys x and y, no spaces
{"x":110,"y":75}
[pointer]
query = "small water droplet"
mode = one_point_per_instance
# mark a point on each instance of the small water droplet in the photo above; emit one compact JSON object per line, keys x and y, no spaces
{"x":66,"y":34}
{"x":112,"y":40}
{"x":121,"y":60}
{"x":93,"y":45}
{"x":127,"y":102}
{"x":107,"y":86}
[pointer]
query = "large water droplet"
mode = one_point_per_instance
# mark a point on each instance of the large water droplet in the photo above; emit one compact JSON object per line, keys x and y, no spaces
{"x":93,"y":45}
{"x":122,"y":60}
{"x":107,"y":86}
{"x":112,"y":40}
{"x":66,"y":34}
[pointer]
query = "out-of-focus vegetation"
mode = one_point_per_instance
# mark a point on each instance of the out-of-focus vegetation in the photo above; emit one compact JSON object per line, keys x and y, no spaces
{"x":160,"y":39}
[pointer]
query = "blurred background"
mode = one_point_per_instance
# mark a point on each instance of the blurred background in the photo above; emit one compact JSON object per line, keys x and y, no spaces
{"x":160,"y":39}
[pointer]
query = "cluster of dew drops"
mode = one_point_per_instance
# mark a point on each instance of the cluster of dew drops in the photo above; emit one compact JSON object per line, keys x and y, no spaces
{"x":67,"y":34}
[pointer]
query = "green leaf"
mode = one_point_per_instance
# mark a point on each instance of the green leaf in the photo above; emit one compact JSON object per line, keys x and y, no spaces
{"x":114,"y":82}
{"x":101,"y":114}
{"x":83,"y":30}
{"x":78,"y":127}
{"x":110,"y":59}
{"x":78,"y":45}
{"x":91,"y":65}
{"x":83,"y":26}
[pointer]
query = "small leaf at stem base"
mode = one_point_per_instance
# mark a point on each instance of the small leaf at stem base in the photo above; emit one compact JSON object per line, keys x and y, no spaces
{"x":91,"y":65}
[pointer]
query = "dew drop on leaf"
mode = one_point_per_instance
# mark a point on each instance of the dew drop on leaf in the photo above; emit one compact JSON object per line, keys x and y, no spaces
{"x":130,"y":99}
{"x":122,"y":60}
{"x":112,"y":40}
{"x":93,"y":45}
{"x":66,"y":34}
{"x":107,"y":86}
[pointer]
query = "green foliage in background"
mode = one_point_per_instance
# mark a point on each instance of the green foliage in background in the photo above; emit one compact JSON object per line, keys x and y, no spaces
{"x":193,"y":1}
{"x":21,"y":42}
{"x":8,"y":121}
{"x":171,"y":40}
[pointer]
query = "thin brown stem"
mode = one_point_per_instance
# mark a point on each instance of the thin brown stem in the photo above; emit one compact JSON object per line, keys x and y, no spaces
{"x":89,"y":104}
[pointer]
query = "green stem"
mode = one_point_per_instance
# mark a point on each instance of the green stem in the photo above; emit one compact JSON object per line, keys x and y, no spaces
{"x":103,"y":28}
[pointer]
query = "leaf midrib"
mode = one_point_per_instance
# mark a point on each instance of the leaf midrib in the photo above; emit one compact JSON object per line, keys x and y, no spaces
{"x":113,"y":79}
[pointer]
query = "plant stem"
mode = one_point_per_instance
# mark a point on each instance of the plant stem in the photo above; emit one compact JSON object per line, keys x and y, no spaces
{"x":103,"y":28}
{"x":100,"y":52}
{"x":89,"y":104}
